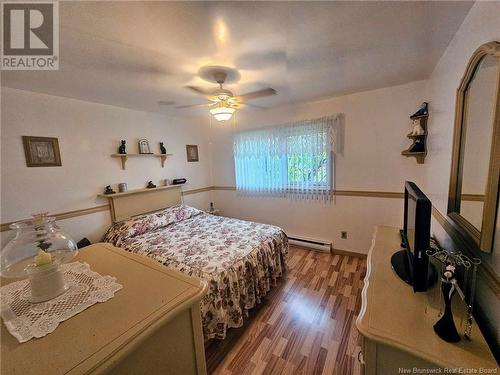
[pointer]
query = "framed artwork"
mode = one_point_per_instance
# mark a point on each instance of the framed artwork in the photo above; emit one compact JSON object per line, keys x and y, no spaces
{"x":41,"y":151}
{"x":192,"y":152}
{"x":144,"y":146}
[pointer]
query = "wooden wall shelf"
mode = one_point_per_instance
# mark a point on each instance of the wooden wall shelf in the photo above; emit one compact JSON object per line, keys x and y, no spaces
{"x":416,"y":136}
{"x":137,"y":191}
{"x":124,"y":157}
{"x":420,"y":156}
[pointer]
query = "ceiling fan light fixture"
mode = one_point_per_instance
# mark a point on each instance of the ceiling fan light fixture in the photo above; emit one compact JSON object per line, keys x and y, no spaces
{"x":223,"y":103}
{"x":222,"y":112}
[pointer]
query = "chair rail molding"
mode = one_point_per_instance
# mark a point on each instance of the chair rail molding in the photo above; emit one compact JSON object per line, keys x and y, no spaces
{"x":343,"y":193}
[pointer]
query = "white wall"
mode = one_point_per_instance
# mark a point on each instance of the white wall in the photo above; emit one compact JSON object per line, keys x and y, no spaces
{"x":88,"y":134}
{"x":376,"y":124}
{"x":481,"y":25}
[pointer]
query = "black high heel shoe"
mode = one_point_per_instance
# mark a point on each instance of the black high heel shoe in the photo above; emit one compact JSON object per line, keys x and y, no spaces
{"x":422,"y":111}
{"x":417,"y":146}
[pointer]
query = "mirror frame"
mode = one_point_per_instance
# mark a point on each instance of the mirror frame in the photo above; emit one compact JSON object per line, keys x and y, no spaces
{"x":475,"y":239}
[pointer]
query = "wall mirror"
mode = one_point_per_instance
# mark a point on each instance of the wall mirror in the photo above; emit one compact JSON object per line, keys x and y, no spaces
{"x":474,"y":180}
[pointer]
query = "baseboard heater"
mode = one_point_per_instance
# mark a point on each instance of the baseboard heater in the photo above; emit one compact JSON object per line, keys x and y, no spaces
{"x":310,"y":243}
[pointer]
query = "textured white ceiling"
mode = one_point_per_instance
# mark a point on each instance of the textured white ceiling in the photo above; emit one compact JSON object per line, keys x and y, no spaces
{"x":134,"y":54}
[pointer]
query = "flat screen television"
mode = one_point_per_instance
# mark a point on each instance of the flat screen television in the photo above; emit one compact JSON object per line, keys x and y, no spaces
{"x":411,"y":263}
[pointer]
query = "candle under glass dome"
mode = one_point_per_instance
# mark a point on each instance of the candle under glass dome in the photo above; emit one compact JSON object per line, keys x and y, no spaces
{"x":37,"y":251}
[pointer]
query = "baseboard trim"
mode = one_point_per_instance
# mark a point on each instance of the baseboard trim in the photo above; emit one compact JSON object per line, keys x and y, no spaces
{"x":348,"y":253}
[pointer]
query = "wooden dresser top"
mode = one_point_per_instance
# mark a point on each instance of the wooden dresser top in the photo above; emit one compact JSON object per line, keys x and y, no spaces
{"x":151,"y":295}
{"x":392,"y":314}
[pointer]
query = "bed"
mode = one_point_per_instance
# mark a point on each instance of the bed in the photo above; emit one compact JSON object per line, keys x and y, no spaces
{"x":239,"y":260}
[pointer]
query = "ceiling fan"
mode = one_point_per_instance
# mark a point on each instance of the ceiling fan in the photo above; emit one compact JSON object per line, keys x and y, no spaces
{"x":222,"y":101}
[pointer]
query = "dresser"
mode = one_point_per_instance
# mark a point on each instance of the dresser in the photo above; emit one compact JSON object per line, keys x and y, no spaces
{"x":396,"y":324}
{"x":151,"y":326}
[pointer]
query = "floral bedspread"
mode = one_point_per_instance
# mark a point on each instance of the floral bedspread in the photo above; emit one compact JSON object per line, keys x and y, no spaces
{"x":239,"y":260}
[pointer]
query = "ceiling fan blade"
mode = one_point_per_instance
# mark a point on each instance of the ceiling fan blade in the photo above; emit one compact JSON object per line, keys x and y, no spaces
{"x":166,"y":102}
{"x":194,"y":105}
{"x":257,"y":94}
{"x":198,"y":90}
{"x":238,"y":104}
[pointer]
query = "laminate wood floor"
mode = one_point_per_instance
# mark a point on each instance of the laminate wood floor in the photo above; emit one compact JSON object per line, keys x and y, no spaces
{"x":306,"y":325}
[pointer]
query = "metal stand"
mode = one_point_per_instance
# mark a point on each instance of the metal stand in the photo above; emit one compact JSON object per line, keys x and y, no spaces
{"x":469,"y":267}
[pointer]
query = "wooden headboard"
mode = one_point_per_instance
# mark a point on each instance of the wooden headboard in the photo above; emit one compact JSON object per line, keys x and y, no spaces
{"x":136,"y":202}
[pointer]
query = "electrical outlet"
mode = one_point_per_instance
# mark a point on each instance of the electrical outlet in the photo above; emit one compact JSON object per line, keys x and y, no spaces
{"x":343,"y":235}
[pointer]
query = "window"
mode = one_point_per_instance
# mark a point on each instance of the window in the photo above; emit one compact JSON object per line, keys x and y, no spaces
{"x":292,"y":159}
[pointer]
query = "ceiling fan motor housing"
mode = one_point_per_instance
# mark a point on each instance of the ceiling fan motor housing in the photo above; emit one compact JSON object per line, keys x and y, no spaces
{"x":222,"y":94}
{"x":220,"y":77}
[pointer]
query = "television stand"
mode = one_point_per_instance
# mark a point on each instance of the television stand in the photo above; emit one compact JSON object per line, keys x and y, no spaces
{"x":399,"y":263}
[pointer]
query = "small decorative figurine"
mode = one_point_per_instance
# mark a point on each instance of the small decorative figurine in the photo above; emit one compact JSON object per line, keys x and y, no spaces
{"x":445,"y":327}
{"x":122,"y":149}
{"x":150,"y":185}
{"x":417,"y":129}
{"x":422,"y":111}
{"x":108,"y":190}
{"x":144,"y":146}
{"x":179,"y":181}
{"x":417,"y":146}
{"x":163,"y":150}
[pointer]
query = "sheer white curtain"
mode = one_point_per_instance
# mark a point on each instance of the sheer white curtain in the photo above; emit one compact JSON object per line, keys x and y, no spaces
{"x":294,"y":159}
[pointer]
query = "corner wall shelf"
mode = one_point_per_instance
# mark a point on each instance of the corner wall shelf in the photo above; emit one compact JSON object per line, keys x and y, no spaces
{"x":416,"y":136}
{"x":124,"y":157}
{"x":420,"y":156}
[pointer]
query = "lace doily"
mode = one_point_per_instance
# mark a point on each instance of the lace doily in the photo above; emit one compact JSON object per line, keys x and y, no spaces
{"x":25,"y":320}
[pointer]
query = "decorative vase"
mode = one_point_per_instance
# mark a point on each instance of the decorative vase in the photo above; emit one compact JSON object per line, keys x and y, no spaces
{"x":37,"y":251}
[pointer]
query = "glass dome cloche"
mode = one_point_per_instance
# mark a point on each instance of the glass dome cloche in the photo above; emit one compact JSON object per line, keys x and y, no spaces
{"x":37,"y":251}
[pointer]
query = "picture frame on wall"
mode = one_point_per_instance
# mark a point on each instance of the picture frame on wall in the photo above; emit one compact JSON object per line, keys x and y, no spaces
{"x":192,"y":153}
{"x":144,"y":146}
{"x":41,"y":151}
